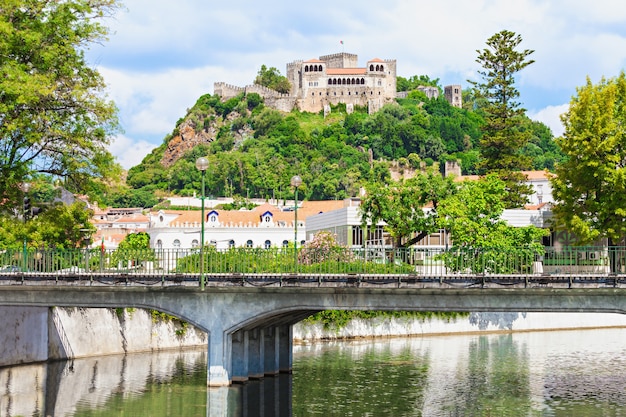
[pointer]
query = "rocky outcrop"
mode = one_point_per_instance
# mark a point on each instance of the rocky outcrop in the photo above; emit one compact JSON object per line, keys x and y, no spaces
{"x":187,"y":139}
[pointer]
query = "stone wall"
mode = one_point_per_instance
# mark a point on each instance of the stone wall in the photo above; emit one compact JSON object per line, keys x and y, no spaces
{"x":474,"y":323}
{"x":23,"y":335}
{"x":35,"y":334}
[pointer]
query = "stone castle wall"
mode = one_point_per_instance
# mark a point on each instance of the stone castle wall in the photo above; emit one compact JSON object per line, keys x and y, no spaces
{"x":314,"y":87}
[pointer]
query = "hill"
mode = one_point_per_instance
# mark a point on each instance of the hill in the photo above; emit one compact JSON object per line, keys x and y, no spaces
{"x":254,"y":150}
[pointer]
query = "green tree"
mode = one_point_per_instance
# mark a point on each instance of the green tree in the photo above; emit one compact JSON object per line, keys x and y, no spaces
{"x":54,"y":118}
{"x":590,"y":185}
{"x":502,"y":139}
{"x":473,"y":217}
{"x":271,"y":78}
{"x":481,"y":238}
{"x":60,"y":226}
{"x":140,"y":240}
{"x":133,"y":250}
{"x":401,"y":206}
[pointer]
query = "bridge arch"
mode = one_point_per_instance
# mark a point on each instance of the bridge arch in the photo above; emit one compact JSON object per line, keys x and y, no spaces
{"x":249,"y":328}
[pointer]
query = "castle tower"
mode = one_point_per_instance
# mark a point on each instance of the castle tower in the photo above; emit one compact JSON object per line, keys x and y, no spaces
{"x":454,"y":95}
{"x":340,"y":60}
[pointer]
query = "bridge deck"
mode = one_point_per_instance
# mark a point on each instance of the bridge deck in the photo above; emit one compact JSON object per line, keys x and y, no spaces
{"x":325,"y":280}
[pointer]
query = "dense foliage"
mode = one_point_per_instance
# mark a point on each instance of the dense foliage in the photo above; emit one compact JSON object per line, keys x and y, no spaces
{"x":271,"y":78}
{"x":256,"y":149}
{"x":590,"y":185}
{"x":401,"y":206}
{"x":54,"y":118}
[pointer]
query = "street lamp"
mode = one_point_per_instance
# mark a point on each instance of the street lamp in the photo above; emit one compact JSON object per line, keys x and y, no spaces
{"x":202,"y":164}
{"x":296,"y":181}
{"x":25,"y":208}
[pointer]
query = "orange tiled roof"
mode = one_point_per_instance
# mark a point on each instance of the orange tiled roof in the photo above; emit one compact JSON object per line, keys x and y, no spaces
{"x":346,"y":71}
{"x":244,"y":217}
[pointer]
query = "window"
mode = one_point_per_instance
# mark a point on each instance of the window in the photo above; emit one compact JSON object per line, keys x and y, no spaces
{"x":212,"y":218}
{"x":176,"y":243}
{"x":285,"y":243}
{"x":159,"y":244}
{"x":268,"y":244}
{"x":249,"y":243}
{"x":194,"y":243}
{"x":231,"y":243}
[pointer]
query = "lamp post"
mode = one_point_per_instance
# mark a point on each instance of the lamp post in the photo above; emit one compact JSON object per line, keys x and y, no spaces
{"x":25,"y":208}
{"x":296,"y":181}
{"x":202,"y":164}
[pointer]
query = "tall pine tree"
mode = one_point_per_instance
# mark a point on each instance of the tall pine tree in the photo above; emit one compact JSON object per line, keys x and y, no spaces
{"x":502,"y":139}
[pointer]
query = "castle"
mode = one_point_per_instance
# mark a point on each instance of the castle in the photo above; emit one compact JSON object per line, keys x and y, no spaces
{"x":317,"y":84}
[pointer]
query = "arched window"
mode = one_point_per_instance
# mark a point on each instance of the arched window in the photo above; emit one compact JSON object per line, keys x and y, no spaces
{"x":306,"y":68}
{"x":268,"y":244}
{"x":231,"y":243}
{"x":382,"y":68}
{"x":194,"y":243}
{"x":285,"y":243}
{"x":371,"y":68}
{"x":343,"y":82}
{"x":363,"y":81}
{"x":330,"y":82}
{"x":159,"y":244}
{"x":176,"y":243}
{"x":353,"y":81}
{"x":249,"y":243}
{"x":212,"y":218}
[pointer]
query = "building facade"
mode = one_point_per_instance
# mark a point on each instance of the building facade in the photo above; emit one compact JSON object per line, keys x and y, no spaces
{"x":318,"y":83}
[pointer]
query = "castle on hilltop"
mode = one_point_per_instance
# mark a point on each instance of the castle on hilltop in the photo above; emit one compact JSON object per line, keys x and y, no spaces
{"x":317,"y":84}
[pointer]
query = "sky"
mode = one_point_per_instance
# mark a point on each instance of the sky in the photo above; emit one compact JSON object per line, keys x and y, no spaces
{"x":162,"y":55}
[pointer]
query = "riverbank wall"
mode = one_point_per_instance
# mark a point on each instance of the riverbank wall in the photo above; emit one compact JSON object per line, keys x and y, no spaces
{"x":478,"y":322}
{"x":34,"y":334}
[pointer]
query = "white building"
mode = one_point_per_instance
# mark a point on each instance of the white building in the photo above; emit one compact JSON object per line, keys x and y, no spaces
{"x":265,"y":226}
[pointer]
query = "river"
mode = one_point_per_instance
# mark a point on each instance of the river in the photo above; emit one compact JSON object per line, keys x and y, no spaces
{"x":561,"y":373}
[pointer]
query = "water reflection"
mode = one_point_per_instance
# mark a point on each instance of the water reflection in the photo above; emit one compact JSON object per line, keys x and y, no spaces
{"x":575,"y":373}
{"x":107,"y":386}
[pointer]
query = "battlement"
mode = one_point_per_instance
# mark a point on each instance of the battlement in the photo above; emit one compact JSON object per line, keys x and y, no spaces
{"x":312,"y":91}
{"x":294,"y":64}
{"x":227,"y":91}
{"x":340,"y":60}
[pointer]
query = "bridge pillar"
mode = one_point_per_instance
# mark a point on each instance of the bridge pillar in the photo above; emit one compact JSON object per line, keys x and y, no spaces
{"x":271,"y":350}
{"x":285,"y":348}
{"x":220,"y":348}
{"x":256,"y":353}
{"x":240,"y":356}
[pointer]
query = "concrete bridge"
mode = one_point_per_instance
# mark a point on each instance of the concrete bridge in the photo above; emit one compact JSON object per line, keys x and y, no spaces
{"x":250,"y":327}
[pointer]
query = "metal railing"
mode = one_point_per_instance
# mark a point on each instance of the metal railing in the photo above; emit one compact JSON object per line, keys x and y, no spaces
{"x":181,"y":265}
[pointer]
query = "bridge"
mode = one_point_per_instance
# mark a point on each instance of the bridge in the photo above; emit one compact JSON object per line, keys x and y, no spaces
{"x":248,"y":316}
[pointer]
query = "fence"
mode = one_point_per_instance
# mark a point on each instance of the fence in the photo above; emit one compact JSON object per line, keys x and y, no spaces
{"x":369,"y":260}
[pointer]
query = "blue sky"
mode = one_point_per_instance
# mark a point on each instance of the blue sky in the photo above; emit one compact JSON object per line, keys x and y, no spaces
{"x":162,"y":55}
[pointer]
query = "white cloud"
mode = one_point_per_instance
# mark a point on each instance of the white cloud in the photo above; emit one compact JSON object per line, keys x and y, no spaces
{"x":550,"y":116}
{"x":129,"y":152}
{"x":163,"y":55}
